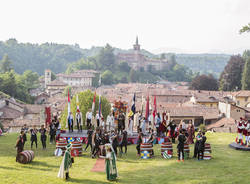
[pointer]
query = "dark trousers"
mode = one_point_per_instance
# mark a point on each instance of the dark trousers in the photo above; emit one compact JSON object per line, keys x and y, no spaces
{"x":158,"y":131}
{"x":52,"y":138}
{"x":196,"y":149}
{"x":69,"y":126}
{"x":89,"y":144}
{"x":43,"y":140}
{"x":123,"y":144}
{"x":98,"y":122}
{"x":119,"y":128}
{"x":180,"y":152}
{"x":95,"y":150}
{"x":88,"y":123}
{"x":115,"y":148}
{"x":33,"y":139}
{"x":200,"y":154}
{"x":19,"y":150}
{"x":78,"y":126}
{"x":72,"y":127}
{"x":138,"y":149}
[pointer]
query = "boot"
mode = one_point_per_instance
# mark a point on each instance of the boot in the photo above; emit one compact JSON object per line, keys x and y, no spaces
{"x":67,"y":175}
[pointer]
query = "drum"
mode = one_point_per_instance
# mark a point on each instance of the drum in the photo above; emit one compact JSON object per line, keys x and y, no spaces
{"x":186,"y":151}
{"x":147,"y":147}
{"x":207,"y":152}
{"x":61,"y":145}
{"x":25,"y":157}
{"x":77,"y":146}
{"x":208,"y":147}
{"x":145,"y":155}
{"x":167,"y":146}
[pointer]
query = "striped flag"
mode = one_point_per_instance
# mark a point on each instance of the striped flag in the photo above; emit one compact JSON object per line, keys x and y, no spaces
{"x":68,"y":103}
{"x":100,"y":107}
{"x":147,"y":109}
{"x":155,"y":110}
{"x":93,"y":104}
{"x":132,"y":111}
{"x":77,"y":104}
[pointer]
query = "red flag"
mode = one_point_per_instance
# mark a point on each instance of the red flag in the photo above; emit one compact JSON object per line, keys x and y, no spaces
{"x":147,"y":109}
{"x":155,"y":110}
{"x":68,"y":96}
{"x":68,"y":103}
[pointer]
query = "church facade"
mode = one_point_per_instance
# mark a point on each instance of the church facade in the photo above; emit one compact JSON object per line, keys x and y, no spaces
{"x":137,"y":60}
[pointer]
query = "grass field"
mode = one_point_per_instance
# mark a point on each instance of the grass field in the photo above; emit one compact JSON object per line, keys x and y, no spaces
{"x":227,"y":166}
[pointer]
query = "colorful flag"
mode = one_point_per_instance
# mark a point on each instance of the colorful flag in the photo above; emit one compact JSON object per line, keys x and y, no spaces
{"x":155,"y":110}
{"x":147,"y":109}
{"x":77,"y":104}
{"x":68,"y":103}
{"x":93,"y":104}
{"x":132,"y":111}
{"x":100,"y":107}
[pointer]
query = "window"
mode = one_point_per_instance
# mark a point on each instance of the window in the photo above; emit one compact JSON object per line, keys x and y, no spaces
{"x":246,"y":98}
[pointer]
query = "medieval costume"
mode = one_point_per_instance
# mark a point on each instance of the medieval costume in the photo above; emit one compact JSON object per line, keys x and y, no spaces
{"x":157,"y":124}
{"x":25,"y":130}
{"x":110,"y":161}
{"x":110,"y":122}
{"x":114,"y":141}
{"x":88,"y":119}
{"x":33,"y":137}
{"x":124,"y":141}
{"x":191,"y":134}
{"x":240,"y":127}
{"x":139,"y":142}
{"x":151,"y":140}
{"x":196,"y":145}
{"x":20,"y":144}
{"x":43,"y":136}
{"x":163,"y":124}
{"x":143,"y":126}
{"x":52,"y":132}
{"x":97,"y":119}
{"x":96,"y":141}
{"x":66,"y":163}
{"x":90,"y":133}
{"x":70,"y":120}
{"x":248,"y":133}
{"x":244,"y":131}
{"x":201,"y":146}
{"x":121,"y":122}
{"x":180,"y":146}
{"x":172,"y":131}
{"x":78,"y":120}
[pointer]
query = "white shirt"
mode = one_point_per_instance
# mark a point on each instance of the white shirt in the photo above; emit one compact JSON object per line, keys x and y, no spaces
{"x":110,"y":120}
{"x":97,"y":116}
{"x":89,"y":115}
{"x":150,"y":117}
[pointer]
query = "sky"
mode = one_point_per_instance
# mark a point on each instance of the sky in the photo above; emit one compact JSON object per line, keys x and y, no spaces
{"x":181,"y":26}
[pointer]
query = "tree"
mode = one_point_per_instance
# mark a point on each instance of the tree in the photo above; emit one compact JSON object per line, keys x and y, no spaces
{"x":245,"y":28}
{"x":230,"y":78}
{"x":124,"y":67}
{"x":245,"y":82}
{"x":133,"y":77}
{"x":85,"y":103}
{"x":107,"y":77}
{"x":204,"y":82}
{"x":31,"y":79}
{"x":5,"y":64}
{"x":106,"y":57}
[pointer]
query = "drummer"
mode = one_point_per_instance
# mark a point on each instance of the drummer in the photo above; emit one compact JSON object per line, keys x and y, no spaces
{"x":20,"y":143}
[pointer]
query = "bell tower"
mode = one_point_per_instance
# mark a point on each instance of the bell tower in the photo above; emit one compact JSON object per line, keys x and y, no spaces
{"x":136,"y":45}
{"x":47,"y":77}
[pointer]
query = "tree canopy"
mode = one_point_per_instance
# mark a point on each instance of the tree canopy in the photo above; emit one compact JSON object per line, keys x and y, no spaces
{"x":204,"y":82}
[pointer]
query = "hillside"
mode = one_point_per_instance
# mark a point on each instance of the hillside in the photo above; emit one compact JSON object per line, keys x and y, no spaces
{"x":38,"y":57}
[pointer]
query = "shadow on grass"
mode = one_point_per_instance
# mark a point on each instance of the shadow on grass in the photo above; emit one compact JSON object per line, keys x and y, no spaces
{"x":8,"y":168}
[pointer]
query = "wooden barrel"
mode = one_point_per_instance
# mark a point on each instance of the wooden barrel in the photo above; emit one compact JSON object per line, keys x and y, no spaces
{"x":186,"y":151}
{"x":26,"y":157}
{"x":62,"y":145}
{"x":77,"y":146}
{"x":147,"y":147}
{"x":167,"y":146}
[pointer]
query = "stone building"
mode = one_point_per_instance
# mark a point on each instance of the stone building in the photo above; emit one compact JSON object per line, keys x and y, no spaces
{"x":137,"y":60}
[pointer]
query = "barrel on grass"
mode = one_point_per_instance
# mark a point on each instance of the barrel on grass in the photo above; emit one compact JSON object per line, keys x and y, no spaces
{"x":147,"y":147}
{"x":207,"y":152}
{"x":186,"y":151}
{"x":61,"y":145}
{"x":25,"y":157}
{"x":77,"y":146}
{"x":167,"y":146}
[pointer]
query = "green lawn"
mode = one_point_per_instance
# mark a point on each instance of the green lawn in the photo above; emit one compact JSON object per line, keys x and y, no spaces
{"x":227,"y":166}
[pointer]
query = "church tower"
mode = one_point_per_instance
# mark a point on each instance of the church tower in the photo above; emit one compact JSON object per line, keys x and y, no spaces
{"x":47,"y":77}
{"x":136,"y":45}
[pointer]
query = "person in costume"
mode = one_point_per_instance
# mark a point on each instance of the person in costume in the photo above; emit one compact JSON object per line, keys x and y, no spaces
{"x":110,"y":122}
{"x":180,"y":146}
{"x":124,"y":141}
{"x":19,"y":144}
{"x":78,"y":120}
{"x":89,"y":118}
{"x":33,"y":137}
{"x":70,"y":120}
{"x":197,"y":138}
{"x":66,"y":163}
{"x":158,"y":123}
{"x":96,"y":141}
{"x":90,"y":134}
{"x":114,"y":140}
{"x":97,"y":117}
{"x":110,"y":162}
{"x":143,"y":126}
{"x":191,"y":133}
{"x":239,"y":130}
{"x":121,"y":122}
{"x":172,"y":130}
{"x":139,"y":142}
{"x":25,"y":130}
{"x":244,"y":130}
{"x":248,"y":133}
{"x":151,"y":139}
{"x":52,"y":132}
{"x":43,"y":136}
{"x":201,"y":146}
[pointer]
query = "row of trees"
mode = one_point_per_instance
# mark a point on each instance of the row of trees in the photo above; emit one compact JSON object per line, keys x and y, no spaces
{"x":16,"y":85}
